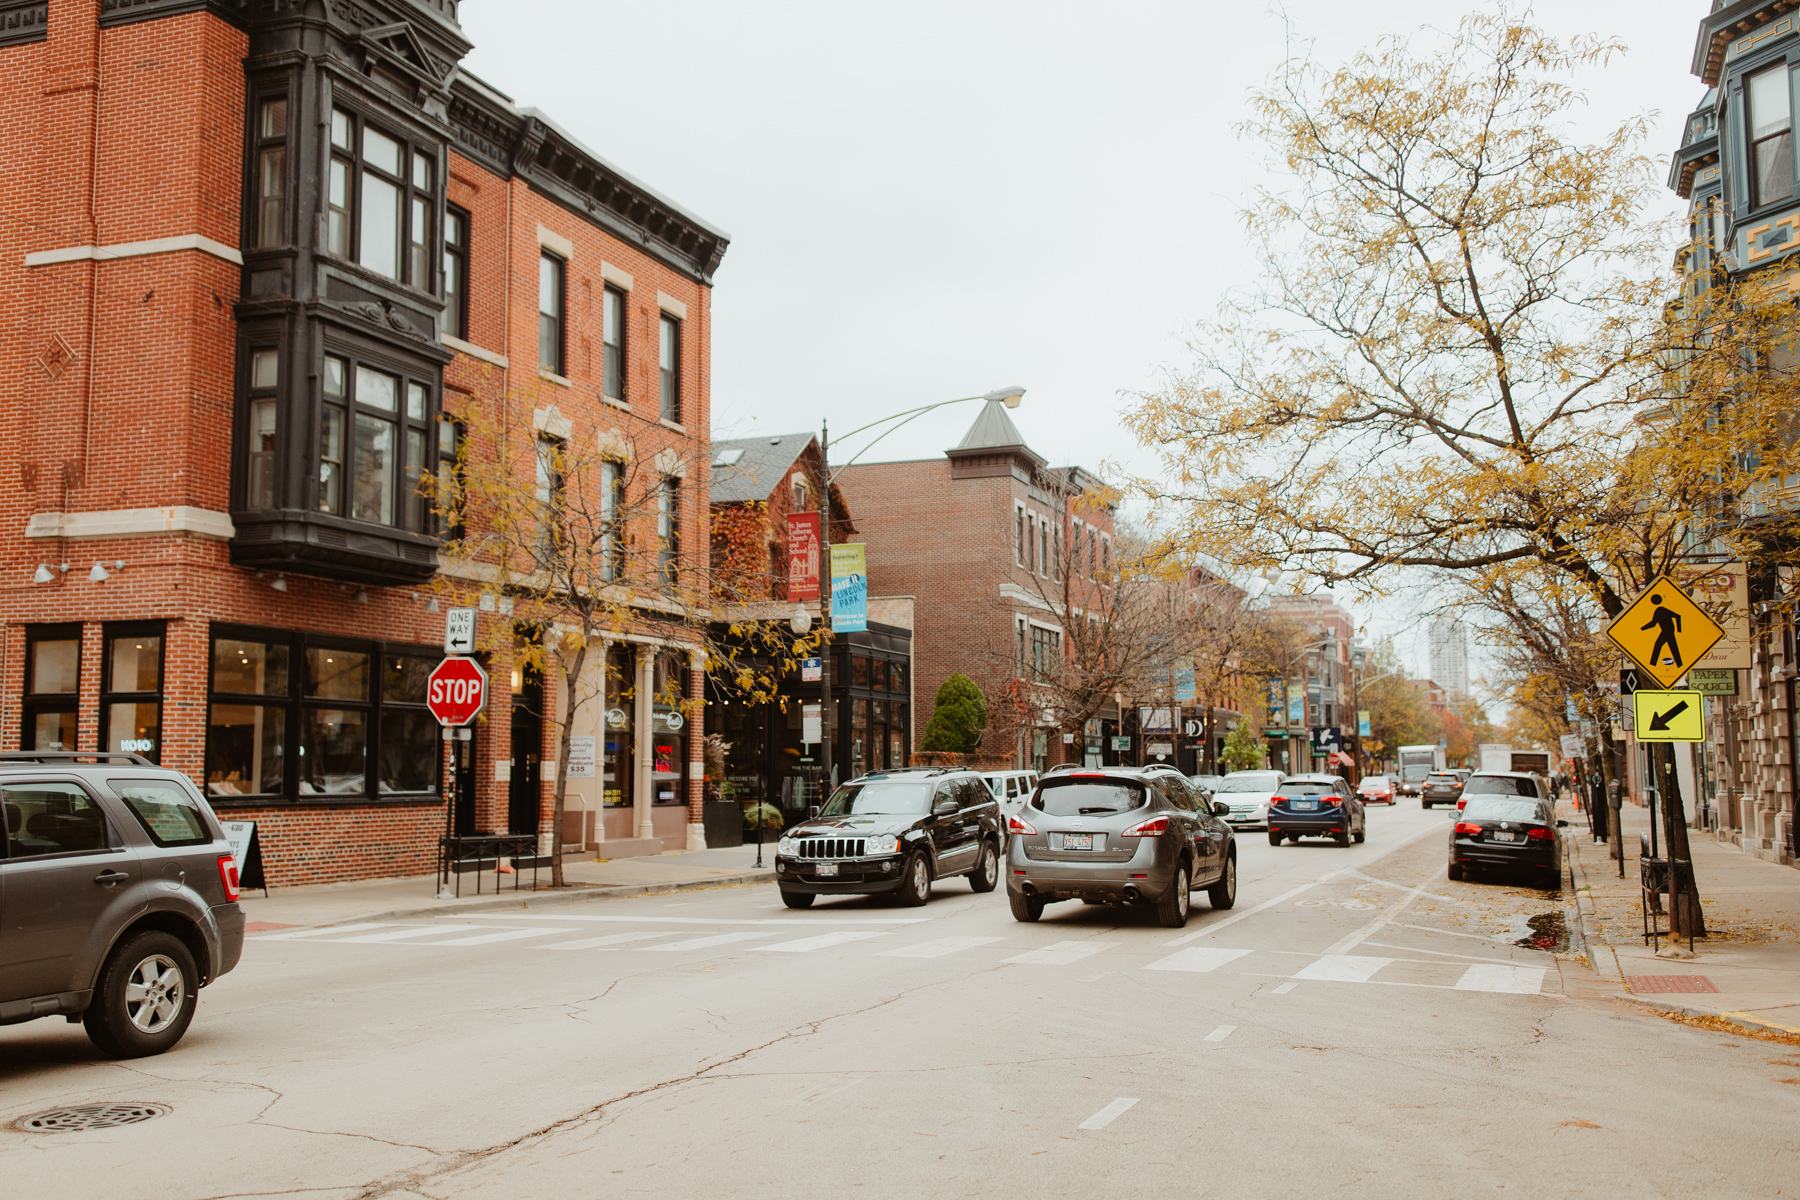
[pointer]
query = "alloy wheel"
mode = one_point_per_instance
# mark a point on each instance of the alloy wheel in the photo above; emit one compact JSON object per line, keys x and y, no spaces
{"x":153,"y":993}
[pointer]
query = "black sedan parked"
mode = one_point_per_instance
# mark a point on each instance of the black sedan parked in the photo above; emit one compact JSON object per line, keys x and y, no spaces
{"x":1519,"y":833}
{"x":1316,"y":806}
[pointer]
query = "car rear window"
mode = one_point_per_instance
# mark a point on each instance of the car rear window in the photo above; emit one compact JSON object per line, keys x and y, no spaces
{"x":1442,"y":777}
{"x":1301,"y":787}
{"x":165,"y":810}
{"x":1499,"y":785}
{"x":1495,"y":808}
{"x":1075,"y":798}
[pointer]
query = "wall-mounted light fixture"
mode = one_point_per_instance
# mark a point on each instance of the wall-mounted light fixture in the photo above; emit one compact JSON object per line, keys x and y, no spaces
{"x":280,"y":583}
{"x":100,"y":574}
{"x":45,"y":573}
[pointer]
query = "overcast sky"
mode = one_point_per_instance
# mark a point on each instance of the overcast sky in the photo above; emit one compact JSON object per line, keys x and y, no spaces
{"x":926,"y":200}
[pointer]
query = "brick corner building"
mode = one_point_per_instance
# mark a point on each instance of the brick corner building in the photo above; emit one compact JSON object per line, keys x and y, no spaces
{"x":261,"y":258}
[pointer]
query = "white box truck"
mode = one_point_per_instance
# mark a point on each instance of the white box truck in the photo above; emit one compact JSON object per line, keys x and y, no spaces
{"x":1496,"y":756}
{"x":1416,"y":762}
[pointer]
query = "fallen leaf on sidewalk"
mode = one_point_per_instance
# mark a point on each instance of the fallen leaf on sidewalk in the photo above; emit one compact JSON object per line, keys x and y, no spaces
{"x":1579,"y":1124}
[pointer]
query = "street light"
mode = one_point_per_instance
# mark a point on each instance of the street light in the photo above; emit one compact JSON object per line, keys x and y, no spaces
{"x":1009,"y":396}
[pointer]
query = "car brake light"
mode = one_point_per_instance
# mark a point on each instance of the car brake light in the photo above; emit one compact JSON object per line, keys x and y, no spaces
{"x":1154,"y":827}
{"x":228,"y":875}
{"x":1465,"y":827}
{"x":1014,"y":825}
{"x":1539,"y":835}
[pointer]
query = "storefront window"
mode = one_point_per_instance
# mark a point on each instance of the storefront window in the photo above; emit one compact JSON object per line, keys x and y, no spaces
{"x":621,"y":703}
{"x":668,"y":730}
{"x":131,"y":690}
{"x":859,"y":732}
{"x":859,"y":671}
{"x":52,"y":686}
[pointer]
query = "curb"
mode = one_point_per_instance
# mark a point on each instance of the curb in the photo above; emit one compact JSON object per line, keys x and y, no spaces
{"x":1587,"y":921}
{"x":546,"y":898}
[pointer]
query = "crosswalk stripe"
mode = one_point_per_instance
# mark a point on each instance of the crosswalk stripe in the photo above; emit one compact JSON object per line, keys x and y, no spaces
{"x":325,"y":931}
{"x":1109,"y":1114}
{"x":405,"y":931}
{"x":504,"y":935}
{"x":808,"y":945}
{"x":703,"y":943}
{"x":1343,"y":968}
{"x":1058,"y":954}
{"x":560,"y":917}
{"x":1219,"y":1034}
{"x":1196,"y":958}
{"x":611,"y":939}
{"x":1490,"y":977}
{"x":938,"y":947}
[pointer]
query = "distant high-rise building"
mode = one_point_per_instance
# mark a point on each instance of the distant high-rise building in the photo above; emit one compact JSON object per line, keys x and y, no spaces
{"x":1450,"y":655}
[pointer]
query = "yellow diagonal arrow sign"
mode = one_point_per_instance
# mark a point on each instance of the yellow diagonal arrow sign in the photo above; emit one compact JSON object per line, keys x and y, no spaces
{"x":1669,"y":716}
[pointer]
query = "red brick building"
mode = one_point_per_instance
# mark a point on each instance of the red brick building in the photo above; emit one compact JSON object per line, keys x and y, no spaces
{"x":976,"y":538}
{"x":260,"y":259}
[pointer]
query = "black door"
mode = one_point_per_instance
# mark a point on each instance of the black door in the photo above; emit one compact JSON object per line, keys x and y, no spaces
{"x":527,"y":753}
{"x":462,"y":766}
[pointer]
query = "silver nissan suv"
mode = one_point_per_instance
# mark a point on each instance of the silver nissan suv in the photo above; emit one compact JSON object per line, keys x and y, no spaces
{"x":118,"y":897}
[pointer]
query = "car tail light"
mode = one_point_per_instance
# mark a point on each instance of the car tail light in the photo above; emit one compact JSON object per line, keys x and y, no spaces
{"x":1154,"y":827}
{"x":1464,"y":827}
{"x":228,"y":875}
{"x":1014,"y":825}
{"x":1540,"y":835}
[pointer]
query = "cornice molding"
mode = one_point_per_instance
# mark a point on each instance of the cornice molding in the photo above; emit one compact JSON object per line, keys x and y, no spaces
{"x":23,"y":22}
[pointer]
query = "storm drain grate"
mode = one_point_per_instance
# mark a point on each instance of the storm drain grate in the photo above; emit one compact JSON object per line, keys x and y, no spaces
{"x":77,"y":1117}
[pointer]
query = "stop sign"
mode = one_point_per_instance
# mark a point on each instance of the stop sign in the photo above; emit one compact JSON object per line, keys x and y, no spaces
{"x":456,"y":691}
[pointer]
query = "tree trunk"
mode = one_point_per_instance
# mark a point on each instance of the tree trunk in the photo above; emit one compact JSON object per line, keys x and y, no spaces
{"x":566,"y":729}
{"x":1689,"y":918}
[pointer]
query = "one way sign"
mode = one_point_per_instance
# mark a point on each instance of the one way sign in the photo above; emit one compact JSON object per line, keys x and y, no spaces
{"x":1669,"y":716}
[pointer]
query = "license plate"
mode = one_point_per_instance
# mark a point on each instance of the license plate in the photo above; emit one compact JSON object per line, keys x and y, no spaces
{"x":827,"y":869}
{"x":1078,"y":841}
{"x":1500,"y":835}
{"x":1305,"y":805}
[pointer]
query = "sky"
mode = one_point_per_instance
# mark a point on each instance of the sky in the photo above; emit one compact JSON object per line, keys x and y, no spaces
{"x":928,"y":200}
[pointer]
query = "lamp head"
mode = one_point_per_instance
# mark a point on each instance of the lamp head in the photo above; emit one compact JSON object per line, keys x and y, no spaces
{"x":1009,"y":396}
{"x":801,"y":621}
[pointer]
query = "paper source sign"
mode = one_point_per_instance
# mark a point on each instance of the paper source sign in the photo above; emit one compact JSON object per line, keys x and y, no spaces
{"x":803,"y":556}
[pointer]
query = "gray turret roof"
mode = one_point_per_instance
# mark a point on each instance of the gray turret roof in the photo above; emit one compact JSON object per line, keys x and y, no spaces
{"x":992,"y":430}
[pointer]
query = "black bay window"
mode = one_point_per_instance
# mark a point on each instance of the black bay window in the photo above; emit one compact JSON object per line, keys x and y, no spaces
{"x":456,"y":272}
{"x":271,"y":172}
{"x":372,"y":442}
{"x":380,"y":198}
{"x":305,"y":717}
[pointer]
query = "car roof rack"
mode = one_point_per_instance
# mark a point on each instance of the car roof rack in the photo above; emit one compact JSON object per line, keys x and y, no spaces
{"x":47,"y":757}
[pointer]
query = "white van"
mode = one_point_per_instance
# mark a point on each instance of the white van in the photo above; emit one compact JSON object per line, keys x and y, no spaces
{"x":1011,"y":789}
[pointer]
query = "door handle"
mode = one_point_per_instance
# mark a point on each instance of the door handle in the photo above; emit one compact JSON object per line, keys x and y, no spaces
{"x":108,"y":878}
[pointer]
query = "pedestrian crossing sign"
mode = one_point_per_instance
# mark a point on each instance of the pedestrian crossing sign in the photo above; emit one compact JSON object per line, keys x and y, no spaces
{"x":1664,"y":631}
{"x":1669,"y":716}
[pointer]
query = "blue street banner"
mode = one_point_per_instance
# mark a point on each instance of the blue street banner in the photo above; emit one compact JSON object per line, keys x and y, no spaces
{"x":1185,"y":687}
{"x":1362,"y":722}
{"x":1277,"y":701}
{"x":849,"y":588}
{"x":1296,"y":696}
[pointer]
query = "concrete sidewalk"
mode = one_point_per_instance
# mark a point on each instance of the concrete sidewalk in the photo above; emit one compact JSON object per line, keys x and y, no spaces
{"x":1746,"y":970}
{"x":374,"y":899}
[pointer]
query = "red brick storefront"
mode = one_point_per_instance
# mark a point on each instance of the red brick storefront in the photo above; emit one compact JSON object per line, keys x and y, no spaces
{"x":204,"y":339}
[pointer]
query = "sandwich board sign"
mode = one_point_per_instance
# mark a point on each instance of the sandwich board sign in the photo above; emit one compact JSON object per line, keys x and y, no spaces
{"x":1664,"y":631}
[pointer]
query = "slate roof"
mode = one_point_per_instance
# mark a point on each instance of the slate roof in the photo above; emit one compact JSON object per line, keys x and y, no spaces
{"x":754,"y":473}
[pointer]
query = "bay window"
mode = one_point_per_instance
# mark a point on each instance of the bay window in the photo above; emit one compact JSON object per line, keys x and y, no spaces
{"x":1771,"y":136}
{"x":271,"y":173}
{"x":265,"y":377}
{"x":380,"y":199}
{"x":372,"y":445}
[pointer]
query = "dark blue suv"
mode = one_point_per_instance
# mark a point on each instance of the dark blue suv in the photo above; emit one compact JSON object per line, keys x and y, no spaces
{"x":1316,"y":806}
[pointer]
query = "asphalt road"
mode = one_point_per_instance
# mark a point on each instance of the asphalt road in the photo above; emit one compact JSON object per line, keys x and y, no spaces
{"x":1356,"y":1024}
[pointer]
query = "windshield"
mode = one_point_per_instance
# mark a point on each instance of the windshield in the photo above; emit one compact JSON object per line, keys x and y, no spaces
{"x":1499,"y":785}
{"x":1497,"y":809}
{"x":1375,"y":780}
{"x":1249,"y":781}
{"x":910,"y":797}
{"x":1067,"y":798}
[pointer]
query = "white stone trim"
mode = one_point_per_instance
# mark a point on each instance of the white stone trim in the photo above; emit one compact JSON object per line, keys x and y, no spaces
{"x":1012,"y":591}
{"x":617,"y":276}
{"x":167,"y":245}
{"x":675,"y":425}
{"x":549,"y":239}
{"x":131,"y":522}
{"x":613,"y":444}
{"x":551,"y":421}
{"x":671,"y":464}
{"x":696,"y":836}
{"x":553,"y":377}
{"x":671,"y":305}
{"x":472,"y":350}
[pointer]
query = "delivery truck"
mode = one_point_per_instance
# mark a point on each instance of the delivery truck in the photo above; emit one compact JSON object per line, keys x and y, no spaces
{"x":1416,"y":762}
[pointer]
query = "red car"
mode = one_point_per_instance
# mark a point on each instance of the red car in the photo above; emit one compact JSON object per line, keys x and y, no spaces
{"x":1376,"y":789}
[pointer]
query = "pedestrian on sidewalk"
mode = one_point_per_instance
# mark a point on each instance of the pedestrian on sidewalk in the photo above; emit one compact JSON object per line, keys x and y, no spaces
{"x":1597,"y":816}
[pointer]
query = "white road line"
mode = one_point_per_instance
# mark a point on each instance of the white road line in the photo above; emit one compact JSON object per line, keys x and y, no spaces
{"x":1446,"y":953}
{"x":704,"y":943}
{"x":808,"y":945}
{"x":1058,"y":954}
{"x":1285,"y":988}
{"x":324,"y":931}
{"x":1502,"y":939}
{"x":1234,"y":918}
{"x":1219,"y":1034}
{"x":505,"y":935}
{"x":407,"y":931}
{"x":1109,"y":1114}
{"x":689,"y":920}
{"x":1197,"y":958}
{"x":938,"y":947}
{"x":611,"y":939}
{"x":1347,"y":944}
{"x":1343,"y":968}
{"x":1485,"y":977}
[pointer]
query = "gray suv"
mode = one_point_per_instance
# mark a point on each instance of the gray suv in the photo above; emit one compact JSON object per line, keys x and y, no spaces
{"x":118,"y":897}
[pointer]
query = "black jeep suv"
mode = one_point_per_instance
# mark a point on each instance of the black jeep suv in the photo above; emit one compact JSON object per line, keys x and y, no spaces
{"x":894,"y":831}
{"x":118,"y":897}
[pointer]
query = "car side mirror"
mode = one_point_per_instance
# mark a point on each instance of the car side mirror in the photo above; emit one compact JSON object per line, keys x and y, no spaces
{"x":1221,"y":809}
{"x":945,"y":808}
{"x":812,"y":812}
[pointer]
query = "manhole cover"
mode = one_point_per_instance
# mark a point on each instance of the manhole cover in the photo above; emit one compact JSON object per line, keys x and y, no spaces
{"x":77,"y":1117}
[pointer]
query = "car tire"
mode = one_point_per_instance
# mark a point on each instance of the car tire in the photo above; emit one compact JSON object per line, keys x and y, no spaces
{"x":1025,"y":908}
{"x":915,"y":882}
{"x":1342,"y":839}
{"x":987,"y":870}
{"x":1223,"y":894}
{"x":1454,"y":871}
{"x":145,"y":996}
{"x":1362,"y":832}
{"x":1426,"y":805}
{"x":1172,"y":909}
{"x":1274,"y":838}
{"x":797,"y":899}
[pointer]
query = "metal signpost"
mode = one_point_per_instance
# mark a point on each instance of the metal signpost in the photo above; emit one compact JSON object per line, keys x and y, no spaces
{"x":455,"y":693}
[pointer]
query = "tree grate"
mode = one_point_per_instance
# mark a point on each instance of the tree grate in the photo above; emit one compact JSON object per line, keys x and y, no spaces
{"x":77,"y":1117}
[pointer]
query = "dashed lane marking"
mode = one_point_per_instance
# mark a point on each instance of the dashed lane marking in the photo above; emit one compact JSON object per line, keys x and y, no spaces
{"x":1343,"y":968}
{"x":1197,"y":958}
{"x":938,"y":947}
{"x":1219,"y":1034}
{"x":1109,"y":1114}
{"x":808,"y":945}
{"x":1059,"y":954}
